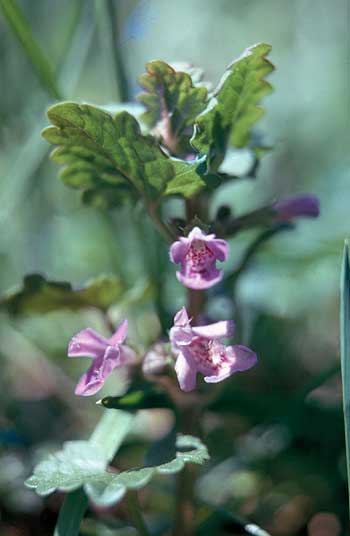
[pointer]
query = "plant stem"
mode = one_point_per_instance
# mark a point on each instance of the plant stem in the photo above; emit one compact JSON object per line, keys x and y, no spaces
{"x":134,"y":510}
{"x":163,"y":229}
{"x":189,"y":412}
{"x":263,"y":237}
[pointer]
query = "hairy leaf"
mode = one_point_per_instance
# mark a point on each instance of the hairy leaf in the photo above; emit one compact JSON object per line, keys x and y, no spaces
{"x":82,"y":464}
{"x":172,"y":102}
{"x":39,"y":295}
{"x":109,"y":159}
{"x":234,"y":108}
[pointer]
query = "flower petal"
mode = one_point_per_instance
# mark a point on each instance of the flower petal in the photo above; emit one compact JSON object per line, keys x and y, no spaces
{"x":87,"y":343}
{"x":120,"y":334}
{"x":92,"y":381}
{"x":181,"y":318}
{"x":239,"y":358}
{"x":178,"y":250}
{"x":200,"y":281}
{"x":218,"y":330}
{"x":186,"y":371}
{"x":219,"y":247}
{"x":197,"y":234}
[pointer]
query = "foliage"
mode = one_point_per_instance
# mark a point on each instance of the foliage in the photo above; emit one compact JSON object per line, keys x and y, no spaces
{"x":233,"y":109}
{"x":39,"y":295}
{"x":82,"y":464}
{"x":100,"y":150}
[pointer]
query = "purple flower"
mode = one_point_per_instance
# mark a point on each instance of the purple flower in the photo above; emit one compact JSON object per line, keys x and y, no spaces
{"x":197,"y":253}
{"x":107,"y":354}
{"x":307,"y":205}
{"x":199,"y":349}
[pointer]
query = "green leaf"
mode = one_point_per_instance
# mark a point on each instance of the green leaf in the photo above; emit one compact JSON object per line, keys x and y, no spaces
{"x":345,"y":350}
{"x":39,"y":295}
{"x":188,"y":179}
{"x":99,"y":150}
{"x":234,"y":108}
{"x":71,"y":513}
{"x":21,"y":28}
{"x":81,"y":463}
{"x":172,"y":101}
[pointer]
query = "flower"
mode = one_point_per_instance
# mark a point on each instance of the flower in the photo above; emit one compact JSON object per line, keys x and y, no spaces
{"x":197,"y":253}
{"x":107,"y":354}
{"x":199,"y":349}
{"x":307,"y":205}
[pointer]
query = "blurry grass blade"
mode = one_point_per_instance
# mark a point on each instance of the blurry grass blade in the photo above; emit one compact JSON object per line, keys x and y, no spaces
{"x":71,"y":514}
{"x":32,"y":152}
{"x":345,"y":349}
{"x":21,"y":28}
{"x":106,"y":15}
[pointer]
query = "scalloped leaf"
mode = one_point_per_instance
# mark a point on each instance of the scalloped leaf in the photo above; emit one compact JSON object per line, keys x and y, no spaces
{"x":108,"y":157}
{"x":172,"y":102}
{"x":38,"y":295}
{"x":234,"y":108}
{"x":83,"y":464}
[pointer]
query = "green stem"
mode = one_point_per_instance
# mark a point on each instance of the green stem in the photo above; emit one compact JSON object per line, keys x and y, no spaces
{"x":71,"y":513}
{"x":134,"y":511}
{"x":263,"y":237}
{"x":163,"y":229}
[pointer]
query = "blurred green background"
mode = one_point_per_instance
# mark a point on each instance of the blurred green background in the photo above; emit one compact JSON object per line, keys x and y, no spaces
{"x":281,"y":456}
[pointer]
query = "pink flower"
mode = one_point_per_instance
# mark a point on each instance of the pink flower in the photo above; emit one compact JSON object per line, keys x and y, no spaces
{"x":197,"y":253}
{"x":307,"y":205}
{"x":199,"y":349}
{"x":107,"y":354}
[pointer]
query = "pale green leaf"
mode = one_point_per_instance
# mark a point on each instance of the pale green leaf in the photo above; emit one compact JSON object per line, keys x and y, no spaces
{"x":84,"y":464}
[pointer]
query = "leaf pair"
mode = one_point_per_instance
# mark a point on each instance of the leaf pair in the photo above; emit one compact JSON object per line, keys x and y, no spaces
{"x":112,"y":161}
{"x":85,"y":464}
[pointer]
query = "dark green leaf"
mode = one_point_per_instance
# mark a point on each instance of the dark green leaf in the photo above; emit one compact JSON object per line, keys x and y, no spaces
{"x":136,"y":400}
{"x":41,"y":296}
{"x":345,"y":350}
{"x":82,"y":463}
{"x":234,"y":109}
{"x":172,"y":101}
{"x":99,"y":150}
